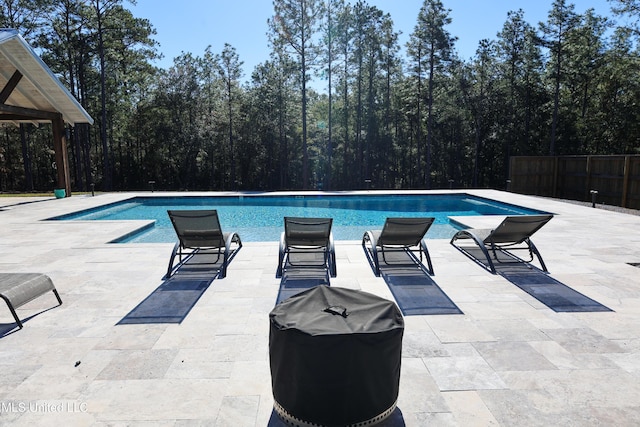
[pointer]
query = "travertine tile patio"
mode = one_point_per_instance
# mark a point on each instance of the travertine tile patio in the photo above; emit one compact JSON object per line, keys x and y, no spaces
{"x":508,"y":360}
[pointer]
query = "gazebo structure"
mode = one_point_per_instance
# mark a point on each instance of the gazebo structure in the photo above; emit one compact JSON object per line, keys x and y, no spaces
{"x":31,"y":93}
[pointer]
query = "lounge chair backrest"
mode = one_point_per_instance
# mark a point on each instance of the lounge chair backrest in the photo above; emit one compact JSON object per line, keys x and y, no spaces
{"x":516,"y":229}
{"x":404,"y":231}
{"x":197,"y":228}
{"x":307,"y":231}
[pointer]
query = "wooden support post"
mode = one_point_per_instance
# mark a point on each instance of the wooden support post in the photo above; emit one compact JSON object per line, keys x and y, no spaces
{"x":60,"y":149}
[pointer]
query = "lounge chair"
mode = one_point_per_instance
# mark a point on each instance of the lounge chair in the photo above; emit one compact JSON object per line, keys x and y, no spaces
{"x":307,"y":235}
{"x":17,"y":289}
{"x":199,"y":230}
{"x":512,"y":234}
{"x":406,"y":234}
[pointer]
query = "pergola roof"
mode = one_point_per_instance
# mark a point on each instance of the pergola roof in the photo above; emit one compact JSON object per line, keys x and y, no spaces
{"x":29,"y":91}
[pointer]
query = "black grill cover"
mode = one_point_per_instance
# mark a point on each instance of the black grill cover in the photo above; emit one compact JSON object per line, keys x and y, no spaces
{"x":335,"y":356}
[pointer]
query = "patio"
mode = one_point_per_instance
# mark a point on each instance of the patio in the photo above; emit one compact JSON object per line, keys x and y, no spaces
{"x":508,"y":360}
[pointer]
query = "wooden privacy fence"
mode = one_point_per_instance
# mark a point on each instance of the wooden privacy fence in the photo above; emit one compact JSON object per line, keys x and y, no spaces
{"x":615,"y":178}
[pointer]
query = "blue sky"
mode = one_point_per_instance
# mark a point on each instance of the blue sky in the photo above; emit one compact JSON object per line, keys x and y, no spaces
{"x":196,"y":24}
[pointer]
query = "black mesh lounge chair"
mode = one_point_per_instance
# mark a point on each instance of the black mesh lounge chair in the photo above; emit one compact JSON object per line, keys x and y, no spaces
{"x":17,"y":289}
{"x":512,"y":234}
{"x":199,"y":230}
{"x":307,"y":236}
{"x":399,"y":233}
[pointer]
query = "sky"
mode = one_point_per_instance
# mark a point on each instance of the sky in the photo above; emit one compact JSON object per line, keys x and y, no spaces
{"x":196,"y":24}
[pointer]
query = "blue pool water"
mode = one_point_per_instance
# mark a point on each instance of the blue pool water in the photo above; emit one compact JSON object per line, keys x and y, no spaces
{"x":260,"y":218}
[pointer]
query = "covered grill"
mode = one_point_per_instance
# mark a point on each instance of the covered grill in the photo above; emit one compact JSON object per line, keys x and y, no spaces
{"x":335,"y":357}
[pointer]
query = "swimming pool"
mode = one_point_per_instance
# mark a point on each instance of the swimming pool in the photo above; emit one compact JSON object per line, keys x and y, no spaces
{"x":260,"y":218}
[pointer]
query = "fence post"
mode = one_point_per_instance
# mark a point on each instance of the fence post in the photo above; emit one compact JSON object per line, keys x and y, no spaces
{"x":512,"y":167}
{"x":594,"y":195}
{"x":555,"y":176}
{"x":588,"y":181}
{"x":625,"y":181}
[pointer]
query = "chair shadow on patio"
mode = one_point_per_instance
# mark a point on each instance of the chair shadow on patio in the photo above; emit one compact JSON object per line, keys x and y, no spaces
{"x":172,"y":301}
{"x":537,"y":283}
{"x":412,"y":286}
{"x":295,"y":280}
{"x":10,"y":328}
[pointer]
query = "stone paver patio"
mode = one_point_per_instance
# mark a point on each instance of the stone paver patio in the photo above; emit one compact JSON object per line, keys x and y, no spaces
{"x":508,"y":360}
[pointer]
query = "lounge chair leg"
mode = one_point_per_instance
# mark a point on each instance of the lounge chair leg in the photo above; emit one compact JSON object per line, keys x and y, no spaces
{"x":376,"y":261}
{"x":173,"y":256}
{"x":55,"y":292}
{"x":13,"y":311}
{"x":481,"y":245}
{"x":533,"y":249}
{"x":223,"y":268}
{"x":368,"y":237}
{"x":488,"y":256}
{"x":331,"y":263}
{"x":423,"y":248}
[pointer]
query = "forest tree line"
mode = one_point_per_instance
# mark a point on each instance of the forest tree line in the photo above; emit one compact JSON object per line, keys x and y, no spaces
{"x":392,"y":116}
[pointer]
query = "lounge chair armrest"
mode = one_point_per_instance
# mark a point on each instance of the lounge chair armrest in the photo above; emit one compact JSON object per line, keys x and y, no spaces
{"x":370,"y":236}
{"x":176,"y":247}
{"x":332,"y":256}
{"x":477,"y":236}
{"x":230,"y":238}
{"x":281,"y":254}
